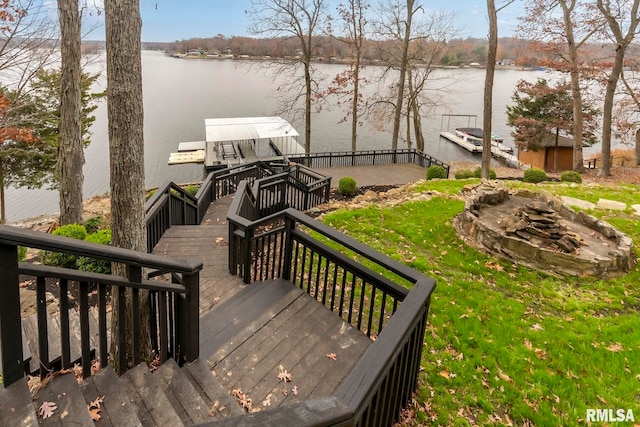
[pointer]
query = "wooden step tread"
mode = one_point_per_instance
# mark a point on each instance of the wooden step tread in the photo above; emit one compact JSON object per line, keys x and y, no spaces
{"x":71,"y":407}
{"x":117,"y":408}
{"x":221,"y":404}
{"x":192,"y":408}
{"x":16,"y":408}
{"x":154,"y":408}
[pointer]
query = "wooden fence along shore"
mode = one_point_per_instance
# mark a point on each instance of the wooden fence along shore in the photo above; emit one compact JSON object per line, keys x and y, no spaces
{"x":269,"y":244}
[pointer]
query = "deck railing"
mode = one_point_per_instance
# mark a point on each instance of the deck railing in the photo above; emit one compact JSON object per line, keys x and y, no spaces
{"x":174,"y":306}
{"x":360,"y":285}
{"x":367,"y":158}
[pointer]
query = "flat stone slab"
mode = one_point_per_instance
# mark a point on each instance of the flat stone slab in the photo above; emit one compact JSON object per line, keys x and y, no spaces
{"x":636,"y":209}
{"x":611,"y":204}
{"x":577,"y":203}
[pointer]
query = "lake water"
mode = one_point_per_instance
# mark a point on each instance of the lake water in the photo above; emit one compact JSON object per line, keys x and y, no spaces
{"x":180,"y":93}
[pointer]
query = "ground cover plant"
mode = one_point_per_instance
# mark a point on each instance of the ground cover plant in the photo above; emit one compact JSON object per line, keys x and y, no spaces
{"x":507,"y":345}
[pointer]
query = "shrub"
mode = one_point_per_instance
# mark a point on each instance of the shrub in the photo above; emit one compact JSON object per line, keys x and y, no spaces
{"x":436,"y":171}
{"x":464,"y":174}
{"x":191,"y":189}
{"x":534,"y":175}
{"x":478,"y":172}
{"x":571,"y":176}
{"x":58,"y":259}
{"x":22,"y":253}
{"x":94,"y":224}
{"x":102,"y":237}
{"x":347,"y":186}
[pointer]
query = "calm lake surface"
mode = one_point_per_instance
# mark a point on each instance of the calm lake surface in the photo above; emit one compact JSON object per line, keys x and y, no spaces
{"x":180,"y":93}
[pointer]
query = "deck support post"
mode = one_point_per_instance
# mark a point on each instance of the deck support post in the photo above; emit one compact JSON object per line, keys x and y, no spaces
{"x":246,"y":255}
{"x":10,"y":323}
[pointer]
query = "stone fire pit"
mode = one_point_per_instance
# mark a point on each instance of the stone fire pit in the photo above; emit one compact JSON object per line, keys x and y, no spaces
{"x":537,"y":230}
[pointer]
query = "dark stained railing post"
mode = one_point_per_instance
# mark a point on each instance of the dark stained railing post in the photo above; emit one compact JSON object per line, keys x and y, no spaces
{"x":289,"y":225}
{"x":10,"y":330}
{"x":135,"y":276}
{"x":246,"y":255}
{"x":188,"y":316}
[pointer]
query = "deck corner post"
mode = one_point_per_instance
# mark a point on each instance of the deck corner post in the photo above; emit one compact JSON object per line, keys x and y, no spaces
{"x":189,"y":317}
{"x":10,"y":323}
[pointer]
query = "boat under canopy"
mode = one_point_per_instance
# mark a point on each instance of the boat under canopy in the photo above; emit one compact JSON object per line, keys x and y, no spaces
{"x":239,"y":140}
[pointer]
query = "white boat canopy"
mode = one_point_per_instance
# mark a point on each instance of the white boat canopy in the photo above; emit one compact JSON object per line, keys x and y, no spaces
{"x":247,"y":128}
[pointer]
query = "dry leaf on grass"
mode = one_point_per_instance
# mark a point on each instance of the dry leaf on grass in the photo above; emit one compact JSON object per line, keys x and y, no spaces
{"x":47,"y":409}
{"x":615,"y":347}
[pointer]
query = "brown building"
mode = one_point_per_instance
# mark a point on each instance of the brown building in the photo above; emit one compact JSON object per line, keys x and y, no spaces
{"x":542,"y":155}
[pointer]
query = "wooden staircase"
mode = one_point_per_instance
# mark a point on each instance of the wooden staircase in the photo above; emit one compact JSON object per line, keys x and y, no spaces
{"x":170,"y":396}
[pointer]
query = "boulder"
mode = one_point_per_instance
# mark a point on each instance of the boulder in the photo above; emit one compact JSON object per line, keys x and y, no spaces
{"x":577,"y":203}
{"x":612,"y":205}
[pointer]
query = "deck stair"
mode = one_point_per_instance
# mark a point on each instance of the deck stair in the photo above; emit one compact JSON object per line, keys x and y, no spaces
{"x":170,"y":396}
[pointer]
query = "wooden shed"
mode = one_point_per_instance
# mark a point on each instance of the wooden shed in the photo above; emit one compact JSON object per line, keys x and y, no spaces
{"x":542,"y":155}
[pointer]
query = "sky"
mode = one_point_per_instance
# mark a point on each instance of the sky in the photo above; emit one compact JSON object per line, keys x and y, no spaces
{"x":170,"y":20}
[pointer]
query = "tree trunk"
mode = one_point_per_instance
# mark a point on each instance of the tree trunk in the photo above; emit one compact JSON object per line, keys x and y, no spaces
{"x":126,"y":151}
{"x":487,"y":115}
{"x":3,"y":214}
{"x":576,"y":92}
{"x":555,"y":152}
{"x":307,"y":106}
{"x":401,"y":79}
{"x":607,"y":112}
{"x":71,"y":153}
{"x":638,"y":147}
{"x":354,"y":105}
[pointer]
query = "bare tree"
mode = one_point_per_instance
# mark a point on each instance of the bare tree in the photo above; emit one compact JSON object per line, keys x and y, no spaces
{"x":487,"y":116}
{"x":126,"y":152}
{"x":71,"y":153}
{"x":627,"y":113}
{"x":622,"y":19}
{"x":299,"y":20}
{"x":563,"y":36}
{"x":349,"y":82}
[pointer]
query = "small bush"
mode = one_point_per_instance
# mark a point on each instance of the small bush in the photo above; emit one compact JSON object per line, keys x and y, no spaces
{"x":347,"y":186}
{"x":571,"y":176}
{"x":94,"y":224}
{"x":22,"y":253}
{"x":191,"y":189}
{"x":464,"y":174}
{"x":478,"y":172}
{"x":534,"y":175}
{"x":436,"y":171}
{"x":58,"y":259}
{"x":102,"y":237}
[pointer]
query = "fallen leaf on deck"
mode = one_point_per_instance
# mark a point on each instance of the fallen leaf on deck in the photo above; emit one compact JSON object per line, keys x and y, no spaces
{"x":283,"y":375}
{"x":331,"y":356}
{"x":95,"y":414}
{"x":47,"y":409}
{"x":294,"y":390}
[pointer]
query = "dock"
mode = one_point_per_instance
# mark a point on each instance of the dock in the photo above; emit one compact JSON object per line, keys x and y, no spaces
{"x":498,"y":150}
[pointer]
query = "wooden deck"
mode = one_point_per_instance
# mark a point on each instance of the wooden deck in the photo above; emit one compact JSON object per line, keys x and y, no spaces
{"x":249,"y":333}
{"x":262,"y":345}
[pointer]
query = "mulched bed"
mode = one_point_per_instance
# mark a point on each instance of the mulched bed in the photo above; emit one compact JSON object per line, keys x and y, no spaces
{"x":335,"y":195}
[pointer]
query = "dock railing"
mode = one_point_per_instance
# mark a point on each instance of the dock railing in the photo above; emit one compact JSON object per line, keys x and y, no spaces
{"x":367,"y":158}
{"x":174,"y":306}
{"x":385,"y":300}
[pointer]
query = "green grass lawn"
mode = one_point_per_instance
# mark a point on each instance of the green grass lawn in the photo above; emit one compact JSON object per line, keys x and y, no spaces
{"x":507,"y":345}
